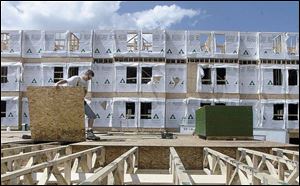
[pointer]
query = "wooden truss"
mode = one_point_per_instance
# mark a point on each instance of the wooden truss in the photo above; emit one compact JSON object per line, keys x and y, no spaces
{"x":235,"y":171}
{"x":50,"y":163}
{"x":278,"y":167}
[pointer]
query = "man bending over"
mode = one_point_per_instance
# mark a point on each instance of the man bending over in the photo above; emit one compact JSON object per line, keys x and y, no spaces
{"x":82,"y":81}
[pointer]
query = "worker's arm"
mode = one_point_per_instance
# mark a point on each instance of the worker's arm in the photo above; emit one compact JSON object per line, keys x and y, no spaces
{"x":61,"y":82}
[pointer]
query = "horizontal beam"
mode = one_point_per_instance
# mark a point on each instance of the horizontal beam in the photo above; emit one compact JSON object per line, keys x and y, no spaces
{"x":23,"y":147}
{"x":102,"y":173}
{"x":23,"y":171}
{"x":271,"y":157}
{"x":241,"y":166}
{"x":30,"y":154}
{"x":286,"y":151}
{"x":180,"y":172}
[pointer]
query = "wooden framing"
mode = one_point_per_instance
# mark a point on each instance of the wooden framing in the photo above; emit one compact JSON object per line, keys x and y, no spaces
{"x":120,"y":166}
{"x":180,"y":177}
{"x":19,"y":161}
{"x":5,"y":41}
{"x":278,"y":167}
{"x":25,"y":148}
{"x":235,"y":171}
{"x":86,"y":161}
{"x":73,"y":42}
{"x":57,"y":165}
{"x":288,"y":154}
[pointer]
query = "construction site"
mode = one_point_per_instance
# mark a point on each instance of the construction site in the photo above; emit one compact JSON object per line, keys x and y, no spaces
{"x":172,"y":107}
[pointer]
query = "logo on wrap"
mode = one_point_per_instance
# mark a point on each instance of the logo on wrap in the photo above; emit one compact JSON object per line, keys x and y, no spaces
{"x":29,"y":51}
{"x":122,"y":81}
{"x":155,"y":116}
{"x":251,"y":83}
{"x":246,"y":53}
{"x":106,"y":81}
{"x":270,"y":83}
{"x":97,"y":116}
{"x":50,"y":80}
{"x":190,"y":117}
{"x":172,"y":116}
{"x":97,"y":50}
{"x":109,"y":115}
{"x":25,"y":115}
{"x":10,"y":115}
{"x":33,"y":81}
{"x":181,"y":52}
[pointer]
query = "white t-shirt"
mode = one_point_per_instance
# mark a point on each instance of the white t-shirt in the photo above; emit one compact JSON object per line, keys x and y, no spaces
{"x":77,"y":81}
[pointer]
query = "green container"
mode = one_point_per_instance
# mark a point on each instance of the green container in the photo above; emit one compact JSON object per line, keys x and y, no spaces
{"x":224,"y":121}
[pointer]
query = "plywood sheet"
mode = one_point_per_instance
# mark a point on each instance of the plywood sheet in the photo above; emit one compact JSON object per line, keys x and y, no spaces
{"x":56,"y":114}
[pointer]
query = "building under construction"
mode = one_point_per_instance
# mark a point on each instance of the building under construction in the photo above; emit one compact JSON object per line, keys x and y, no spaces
{"x":147,"y":82}
{"x":154,"y":80}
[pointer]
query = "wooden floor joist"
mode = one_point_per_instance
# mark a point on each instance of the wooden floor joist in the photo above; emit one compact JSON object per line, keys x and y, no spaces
{"x":288,"y":154}
{"x":118,"y":168}
{"x":14,"y":162}
{"x":85,"y":161}
{"x":180,"y":177}
{"x":235,"y":172}
{"x":281,"y":168}
{"x":25,"y":148}
{"x":57,"y":165}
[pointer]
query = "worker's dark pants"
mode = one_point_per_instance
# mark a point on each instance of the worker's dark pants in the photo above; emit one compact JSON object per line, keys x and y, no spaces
{"x":88,"y":111}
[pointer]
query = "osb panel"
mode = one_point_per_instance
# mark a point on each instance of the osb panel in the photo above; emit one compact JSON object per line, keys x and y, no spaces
{"x":153,"y":157}
{"x":56,"y":114}
{"x":191,"y":158}
{"x":112,"y":153}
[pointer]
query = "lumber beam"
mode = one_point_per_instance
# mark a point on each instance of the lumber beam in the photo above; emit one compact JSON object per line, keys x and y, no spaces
{"x":116,"y":167}
{"x":180,"y":177}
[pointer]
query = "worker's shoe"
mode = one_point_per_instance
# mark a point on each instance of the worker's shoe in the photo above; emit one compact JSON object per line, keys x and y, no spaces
{"x":91,"y":136}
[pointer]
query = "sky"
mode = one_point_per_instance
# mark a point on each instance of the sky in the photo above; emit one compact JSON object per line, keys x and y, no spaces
{"x":256,"y":16}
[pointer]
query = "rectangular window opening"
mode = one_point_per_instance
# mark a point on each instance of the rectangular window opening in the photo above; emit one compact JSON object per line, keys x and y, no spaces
{"x":131,"y":75}
{"x":204,"y":104}
{"x":220,"y":43}
{"x":147,"y":40}
{"x":277,"y":44}
{"x":58,"y":74}
{"x":221,"y":76}
{"x":59,"y":43}
{"x":4,"y":75}
{"x":278,"y":111}
{"x":292,"y":77}
{"x":146,"y":74}
{"x":130,"y":110}
{"x":146,"y":110}
{"x":292,"y":111}
{"x":220,"y":103}
{"x":206,"y":79}
{"x":5,"y":41}
{"x":3,"y":109}
{"x":277,"y":77}
{"x":205,"y":42}
{"x":73,"y":71}
{"x":74,"y":42}
{"x":292,"y":45}
{"x":132,"y":42}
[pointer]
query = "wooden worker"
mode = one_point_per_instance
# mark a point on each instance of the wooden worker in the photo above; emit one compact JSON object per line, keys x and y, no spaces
{"x":82,"y":81}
